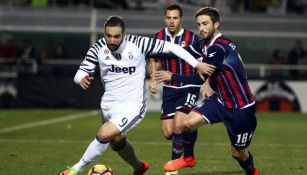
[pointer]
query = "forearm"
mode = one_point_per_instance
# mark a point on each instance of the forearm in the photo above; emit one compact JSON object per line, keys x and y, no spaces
{"x":153,"y":65}
{"x":181,"y":53}
{"x":79,"y":75}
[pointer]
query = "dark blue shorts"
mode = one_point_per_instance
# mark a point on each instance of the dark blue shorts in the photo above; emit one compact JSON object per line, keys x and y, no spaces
{"x":240,"y":123}
{"x":181,"y":99}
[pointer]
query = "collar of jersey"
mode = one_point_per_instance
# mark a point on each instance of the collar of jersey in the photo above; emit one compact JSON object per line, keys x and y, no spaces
{"x":178,"y":34}
{"x":215,"y":37}
{"x":122,"y":46}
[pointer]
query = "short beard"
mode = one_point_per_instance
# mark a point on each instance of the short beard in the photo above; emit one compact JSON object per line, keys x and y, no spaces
{"x":209,"y":37}
{"x":113,"y":46}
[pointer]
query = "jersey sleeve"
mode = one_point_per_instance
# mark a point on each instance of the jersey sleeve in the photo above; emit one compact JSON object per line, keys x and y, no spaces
{"x":191,"y":79}
{"x":158,"y":47}
{"x":215,"y":55}
{"x":196,"y":39}
{"x":88,"y":65}
{"x":195,"y":49}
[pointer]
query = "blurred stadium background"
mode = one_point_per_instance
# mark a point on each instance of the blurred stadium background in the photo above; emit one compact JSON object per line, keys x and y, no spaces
{"x":42,"y":43}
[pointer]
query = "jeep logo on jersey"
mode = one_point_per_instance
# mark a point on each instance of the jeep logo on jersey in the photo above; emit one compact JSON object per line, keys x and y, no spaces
{"x":124,"y":70}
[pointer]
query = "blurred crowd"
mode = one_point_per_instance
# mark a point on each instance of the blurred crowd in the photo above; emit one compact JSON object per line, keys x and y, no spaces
{"x":24,"y":56}
{"x":12,"y":53}
{"x":297,"y":55}
{"x":274,"y":7}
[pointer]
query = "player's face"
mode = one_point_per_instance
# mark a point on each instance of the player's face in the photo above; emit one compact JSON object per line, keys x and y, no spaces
{"x":206,"y":27}
{"x":114,"y":36}
{"x":173,"y":21}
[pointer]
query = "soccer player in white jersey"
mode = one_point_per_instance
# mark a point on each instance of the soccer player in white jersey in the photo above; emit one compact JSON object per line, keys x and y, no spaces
{"x":121,"y":58}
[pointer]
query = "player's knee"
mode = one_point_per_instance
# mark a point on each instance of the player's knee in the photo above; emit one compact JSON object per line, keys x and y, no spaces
{"x":177,"y":127}
{"x":234,"y":153}
{"x":239,"y":154}
{"x":186,"y":126}
{"x":102,"y":137}
{"x":168,"y":134}
{"x":118,"y":142}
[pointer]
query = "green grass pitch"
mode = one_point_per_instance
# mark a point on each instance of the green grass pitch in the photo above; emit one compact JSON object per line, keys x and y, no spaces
{"x":43,"y":142}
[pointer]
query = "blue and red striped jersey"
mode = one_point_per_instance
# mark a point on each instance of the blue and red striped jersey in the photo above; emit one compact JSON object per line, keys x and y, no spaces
{"x":229,"y":81}
{"x":177,"y":66}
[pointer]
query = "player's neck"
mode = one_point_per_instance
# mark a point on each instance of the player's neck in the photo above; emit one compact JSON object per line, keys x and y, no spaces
{"x":214,"y":36}
{"x":175,"y":33}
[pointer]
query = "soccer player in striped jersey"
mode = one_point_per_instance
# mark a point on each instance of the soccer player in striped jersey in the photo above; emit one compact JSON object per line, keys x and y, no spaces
{"x":233,"y":103}
{"x":121,"y":59}
{"x":177,"y":98}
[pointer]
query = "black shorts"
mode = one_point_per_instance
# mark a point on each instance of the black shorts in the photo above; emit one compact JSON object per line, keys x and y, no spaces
{"x":181,"y":99}
{"x":240,"y":123}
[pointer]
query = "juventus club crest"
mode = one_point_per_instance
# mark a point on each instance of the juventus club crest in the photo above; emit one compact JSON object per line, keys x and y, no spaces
{"x":130,"y":55}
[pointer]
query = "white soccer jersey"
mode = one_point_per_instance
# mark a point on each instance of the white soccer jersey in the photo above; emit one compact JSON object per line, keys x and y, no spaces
{"x":123,"y":71}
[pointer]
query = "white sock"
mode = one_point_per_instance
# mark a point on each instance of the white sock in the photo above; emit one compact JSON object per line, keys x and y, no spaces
{"x":94,"y":150}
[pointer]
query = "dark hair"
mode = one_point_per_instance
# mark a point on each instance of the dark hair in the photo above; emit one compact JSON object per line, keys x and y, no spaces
{"x":212,"y":12}
{"x":113,"y":21}
{"x":174,"y":7}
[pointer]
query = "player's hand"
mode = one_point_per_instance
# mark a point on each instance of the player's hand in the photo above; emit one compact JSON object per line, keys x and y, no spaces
{"x":162,"y":75}
{"x":152,"y":86}
{"x":205,"y":68}
{"x":86,"y":82}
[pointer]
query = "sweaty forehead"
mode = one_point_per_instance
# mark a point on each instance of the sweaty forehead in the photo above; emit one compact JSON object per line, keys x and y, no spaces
{"x":113,"y":30}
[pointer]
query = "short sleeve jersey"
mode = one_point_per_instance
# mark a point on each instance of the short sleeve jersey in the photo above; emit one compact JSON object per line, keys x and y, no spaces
{"x":175,"y":65}
{"x":122,"y":71}
{"x":229,"y":80}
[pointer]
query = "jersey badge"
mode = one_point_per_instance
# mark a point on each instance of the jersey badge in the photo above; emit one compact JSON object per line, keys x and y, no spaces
{"x":211,"y":54}
{"x":130,"y":55}
{"x":204,"y":50}
{"x":183,"y":44}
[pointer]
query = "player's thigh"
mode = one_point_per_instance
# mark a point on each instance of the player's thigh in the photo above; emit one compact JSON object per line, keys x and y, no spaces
{"x":240,"y":125}
{"x":168,"y":108}
{"x":127,"y":116}
{"x":178,"y":121}
{"x":210,"y":110}
{"x":193,"y":121}
{"x":107,"y":131}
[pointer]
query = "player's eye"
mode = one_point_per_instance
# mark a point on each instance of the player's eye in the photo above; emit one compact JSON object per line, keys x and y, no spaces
{"x":117,"y":36}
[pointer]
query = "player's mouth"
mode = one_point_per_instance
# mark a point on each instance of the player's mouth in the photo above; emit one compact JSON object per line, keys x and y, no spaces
{"x":203,"y":34}
{"x":112,"y":47}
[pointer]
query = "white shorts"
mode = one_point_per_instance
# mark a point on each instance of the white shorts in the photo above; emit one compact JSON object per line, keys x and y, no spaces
{"x":125,"y":116}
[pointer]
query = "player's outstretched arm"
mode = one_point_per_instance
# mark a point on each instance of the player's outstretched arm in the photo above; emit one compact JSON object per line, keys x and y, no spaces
{"x":161,"y":76}
{"x":180,"y":52}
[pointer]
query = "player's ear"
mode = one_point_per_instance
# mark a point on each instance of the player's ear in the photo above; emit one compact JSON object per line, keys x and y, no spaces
{"x":217,"y":25}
